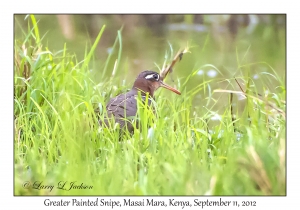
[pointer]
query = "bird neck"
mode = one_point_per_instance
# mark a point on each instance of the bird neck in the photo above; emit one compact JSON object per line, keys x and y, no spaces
{"x":144,"y":89}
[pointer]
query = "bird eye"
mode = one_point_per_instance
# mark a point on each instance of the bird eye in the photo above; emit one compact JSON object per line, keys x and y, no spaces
{"x":152,"y":76}
{"x":156,"y":76}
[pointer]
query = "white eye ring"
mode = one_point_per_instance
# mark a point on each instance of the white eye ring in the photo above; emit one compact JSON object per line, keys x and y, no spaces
{"x":151,"y":76}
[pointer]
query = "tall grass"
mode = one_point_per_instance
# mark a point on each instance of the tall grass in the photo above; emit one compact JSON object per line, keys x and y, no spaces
{"x":58,"y":138}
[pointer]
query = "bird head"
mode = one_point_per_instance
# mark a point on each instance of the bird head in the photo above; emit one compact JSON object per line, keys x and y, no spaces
{"x":149,"y":81}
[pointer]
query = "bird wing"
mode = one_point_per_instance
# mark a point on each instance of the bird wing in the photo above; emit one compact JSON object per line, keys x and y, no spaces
{"x":122,"y":106}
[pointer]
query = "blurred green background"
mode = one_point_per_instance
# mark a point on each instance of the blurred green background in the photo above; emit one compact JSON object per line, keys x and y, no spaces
{"x":225,"y":41}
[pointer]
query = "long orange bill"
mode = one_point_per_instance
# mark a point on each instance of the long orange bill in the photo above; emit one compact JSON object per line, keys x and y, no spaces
{"x":169,"y":88}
